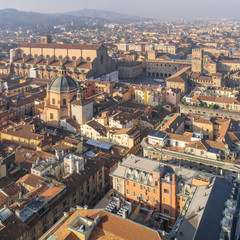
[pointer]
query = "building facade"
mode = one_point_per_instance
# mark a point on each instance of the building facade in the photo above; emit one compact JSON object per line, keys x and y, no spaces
{"x":44,"y":60}
{"x":64,"y":100}
{"x":143,"y":180}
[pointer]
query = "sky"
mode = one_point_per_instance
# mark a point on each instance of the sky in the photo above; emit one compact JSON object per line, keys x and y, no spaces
{"x":144,"y":8}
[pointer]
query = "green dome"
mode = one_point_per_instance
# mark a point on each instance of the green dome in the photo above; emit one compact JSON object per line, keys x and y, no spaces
{"x":64,"y":83}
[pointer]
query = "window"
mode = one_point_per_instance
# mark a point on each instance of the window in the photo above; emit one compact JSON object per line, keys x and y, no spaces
{"x":141,"y":196}
{"x":60,"y":57}
{"x":166,"y":191}
{"x":134,"y":184}
{"x":74,"y":118}
{"x":154,"y":191}
{"x":64,"y":102}
{"x":166,"y":211}
{"x":149,"y":199}
{"x":48,"y":56}
{"x":53,"y":101}
{"x":74,"y":58}
{"x":35,"y":55}
{"x":55,"y":212}
{"x":32,"y":232}
{"x":128,"y":192}
{"x":155,"y":201}
{"x":134,"y":194}
{"x":141,"y":187}
{"x":88,"y":59}
{"x":44,"y":221}
{"x":51,"y":115}
{"x":118,"y":188}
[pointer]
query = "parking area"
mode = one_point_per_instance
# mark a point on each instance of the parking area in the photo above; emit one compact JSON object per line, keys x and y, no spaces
{"x":145,"y":80}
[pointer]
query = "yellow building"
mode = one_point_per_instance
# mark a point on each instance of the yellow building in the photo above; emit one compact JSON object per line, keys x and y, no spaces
{"x":25,"y":135}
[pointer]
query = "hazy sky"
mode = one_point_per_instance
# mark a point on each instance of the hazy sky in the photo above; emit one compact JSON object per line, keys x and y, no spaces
{"x":145,"y":8}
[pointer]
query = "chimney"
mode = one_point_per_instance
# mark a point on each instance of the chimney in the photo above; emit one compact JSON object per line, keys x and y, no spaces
{"x":97,"y":219}
{"x":20,"y":195}
{"x":78,"y":167}
{"x":124,"y":215}
{"x":57,"y":154}
{"x":17,"y":213}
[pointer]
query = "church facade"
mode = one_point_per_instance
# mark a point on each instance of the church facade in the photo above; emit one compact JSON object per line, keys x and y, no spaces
{"x":43,"y":60}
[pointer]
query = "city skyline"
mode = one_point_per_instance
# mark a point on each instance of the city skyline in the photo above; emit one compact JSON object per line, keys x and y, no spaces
{"x":151,"y":9}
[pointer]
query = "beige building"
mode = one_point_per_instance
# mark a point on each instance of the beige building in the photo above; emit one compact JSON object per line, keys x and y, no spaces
{"x":63,"y":100}
{"x":126,"y":137}
{"x":155,"y":95}
{"x":165,"y":65}
{"x":44,"y":60}
{"x":228,"y":65}
{"x":197,"y":60}
{"x":225,"y":107}
{"x":129,"y":70}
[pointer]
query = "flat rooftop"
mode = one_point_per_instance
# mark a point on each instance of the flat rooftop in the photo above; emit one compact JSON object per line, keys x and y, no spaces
{"x":202,"y":220}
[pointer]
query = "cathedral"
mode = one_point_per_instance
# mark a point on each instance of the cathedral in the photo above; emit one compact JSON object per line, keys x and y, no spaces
{"x":64,"y":101}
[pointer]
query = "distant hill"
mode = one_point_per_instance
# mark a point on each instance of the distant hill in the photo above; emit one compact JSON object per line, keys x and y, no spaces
{"x":16,"y":18}
{"x":108,"y":15}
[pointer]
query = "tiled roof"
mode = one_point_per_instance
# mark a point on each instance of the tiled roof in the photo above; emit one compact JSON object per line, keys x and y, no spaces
{"x":184,"y":138}
{"x":109,"y":227}
{"x":61,"y":46}
{"x":31,"y":180}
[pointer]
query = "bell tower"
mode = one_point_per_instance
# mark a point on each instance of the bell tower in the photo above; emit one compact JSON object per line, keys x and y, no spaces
{"x":197,"y":60}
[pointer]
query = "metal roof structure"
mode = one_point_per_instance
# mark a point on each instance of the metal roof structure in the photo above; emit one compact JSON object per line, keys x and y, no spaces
{"x":157,"y":134}
{"x":99,"y":144}
{"x":5,"y":213}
